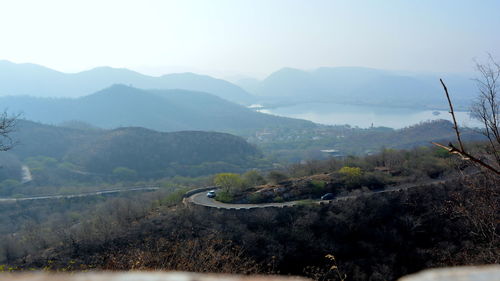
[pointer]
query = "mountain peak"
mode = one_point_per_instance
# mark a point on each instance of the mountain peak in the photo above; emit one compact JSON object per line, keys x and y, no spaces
{"x":118,"y":88}
{"x":27,"y":68}
{"x":290,"y":70}
{"x":35,"y":80}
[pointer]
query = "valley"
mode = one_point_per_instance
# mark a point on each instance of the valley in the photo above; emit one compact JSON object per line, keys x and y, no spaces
{"x":191,"y":140}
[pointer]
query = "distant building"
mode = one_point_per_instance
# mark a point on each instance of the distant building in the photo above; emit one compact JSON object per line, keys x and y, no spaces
{"x":333,"y":152}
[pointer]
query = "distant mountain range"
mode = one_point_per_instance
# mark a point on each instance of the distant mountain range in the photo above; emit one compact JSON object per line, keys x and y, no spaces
{"x":39,"y":81}
{"x":162,"y":110}
{"x":149,"y":153}
{"x":353,"y":85}
{"x":358,"y":85}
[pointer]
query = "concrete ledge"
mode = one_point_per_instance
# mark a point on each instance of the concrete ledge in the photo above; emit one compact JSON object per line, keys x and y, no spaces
{"x":140,"y":276}
{"x":463,"y":273}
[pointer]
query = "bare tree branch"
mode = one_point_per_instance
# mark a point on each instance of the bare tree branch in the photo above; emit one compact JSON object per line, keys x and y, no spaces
{"x":486,"y":110}
{"x":7,"y":126}
{"x":455,"y":126}
{"x":466,"y":156}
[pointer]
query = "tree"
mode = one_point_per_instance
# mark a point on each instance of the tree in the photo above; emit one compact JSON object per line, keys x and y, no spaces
{"x":124,"y":173}
{"x":7,"y":126}
{"x":351,"y":176}
{"x":485,"y":109}
{"x":276,"y":177}
{"x":478,"y":207}
{"x":229,"y":182}
{"x":253,"y":178}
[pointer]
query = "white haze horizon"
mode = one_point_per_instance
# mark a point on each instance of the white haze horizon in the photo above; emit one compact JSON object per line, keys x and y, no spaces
{"x":227,"y":38}
{"x":230,"y":76}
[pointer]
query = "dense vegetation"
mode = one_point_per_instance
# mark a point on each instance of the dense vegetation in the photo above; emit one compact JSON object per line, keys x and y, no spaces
{"x":374,"y":238}
{"x":68,"y":158}
{"x":81,"y":157}
{"x":36,"y":226}
{"x":388,"y":170}
{"x":288,"y":145}
{"x":377,"y":237}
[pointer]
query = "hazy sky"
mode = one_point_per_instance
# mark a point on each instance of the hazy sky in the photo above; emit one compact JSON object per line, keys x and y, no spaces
{"x":252,"y":37}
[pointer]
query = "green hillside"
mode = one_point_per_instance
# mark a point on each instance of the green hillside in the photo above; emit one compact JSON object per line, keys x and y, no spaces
{"x":71,"y":154}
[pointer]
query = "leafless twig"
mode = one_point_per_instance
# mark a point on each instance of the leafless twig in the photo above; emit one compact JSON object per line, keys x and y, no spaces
{"x":7,"y":126}
{"x":461,"y":151}
{"x":452,"y":112}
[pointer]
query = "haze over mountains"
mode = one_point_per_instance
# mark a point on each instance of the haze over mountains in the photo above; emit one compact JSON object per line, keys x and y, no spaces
{"x":359,"y":85}
{"x":39,"y":81}
{"x":189,"y":101}
{"x":352,"y":85}
{"x":162,"y":110}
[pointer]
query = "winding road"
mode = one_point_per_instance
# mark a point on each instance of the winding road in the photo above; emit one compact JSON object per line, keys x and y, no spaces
{"x":201,"y":198}
{"x":95,"y":193}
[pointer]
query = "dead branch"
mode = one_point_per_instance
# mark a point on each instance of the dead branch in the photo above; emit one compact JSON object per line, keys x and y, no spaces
{"x":461,"y":151}
{"x":466,"y":156}
{"x":452,"y":112}
{"x":7,"y":126}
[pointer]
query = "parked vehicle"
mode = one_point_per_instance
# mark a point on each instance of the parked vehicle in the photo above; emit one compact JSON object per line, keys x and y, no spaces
{"x":328,"y":196}
{"x":211,"y":194}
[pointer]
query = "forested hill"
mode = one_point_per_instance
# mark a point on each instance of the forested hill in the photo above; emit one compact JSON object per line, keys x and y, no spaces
{"x":36,"y":80}
{"x":162,"y":110}
{"x":149,"y":153}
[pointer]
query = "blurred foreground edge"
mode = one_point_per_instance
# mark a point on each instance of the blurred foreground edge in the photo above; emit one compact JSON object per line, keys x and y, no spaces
{"x":466,"y":273}
{"x":461,"y":273}
{"x":141,"y":276}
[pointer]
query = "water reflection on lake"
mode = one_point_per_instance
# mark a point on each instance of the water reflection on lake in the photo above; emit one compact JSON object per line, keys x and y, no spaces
{"x":364,"y":116}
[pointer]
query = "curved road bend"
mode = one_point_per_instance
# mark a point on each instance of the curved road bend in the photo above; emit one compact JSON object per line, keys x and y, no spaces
{"x":202,"y":199}
{"x":95,"y":193}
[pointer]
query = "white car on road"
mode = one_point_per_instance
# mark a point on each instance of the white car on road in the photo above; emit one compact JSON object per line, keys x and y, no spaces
{"x":211,"y":194}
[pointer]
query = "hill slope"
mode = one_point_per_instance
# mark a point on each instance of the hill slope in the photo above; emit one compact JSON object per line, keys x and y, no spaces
{"x":149,"y":153}
{"x":35,"y":80}
{"x":162,"y":110}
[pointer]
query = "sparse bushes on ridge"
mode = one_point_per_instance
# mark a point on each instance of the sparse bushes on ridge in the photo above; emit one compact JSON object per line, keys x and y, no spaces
{"x":275,"y":177}
{"x":253,"y":178}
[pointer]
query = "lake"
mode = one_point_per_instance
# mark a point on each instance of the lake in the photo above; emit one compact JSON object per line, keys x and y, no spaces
{"x":364,"y":116}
